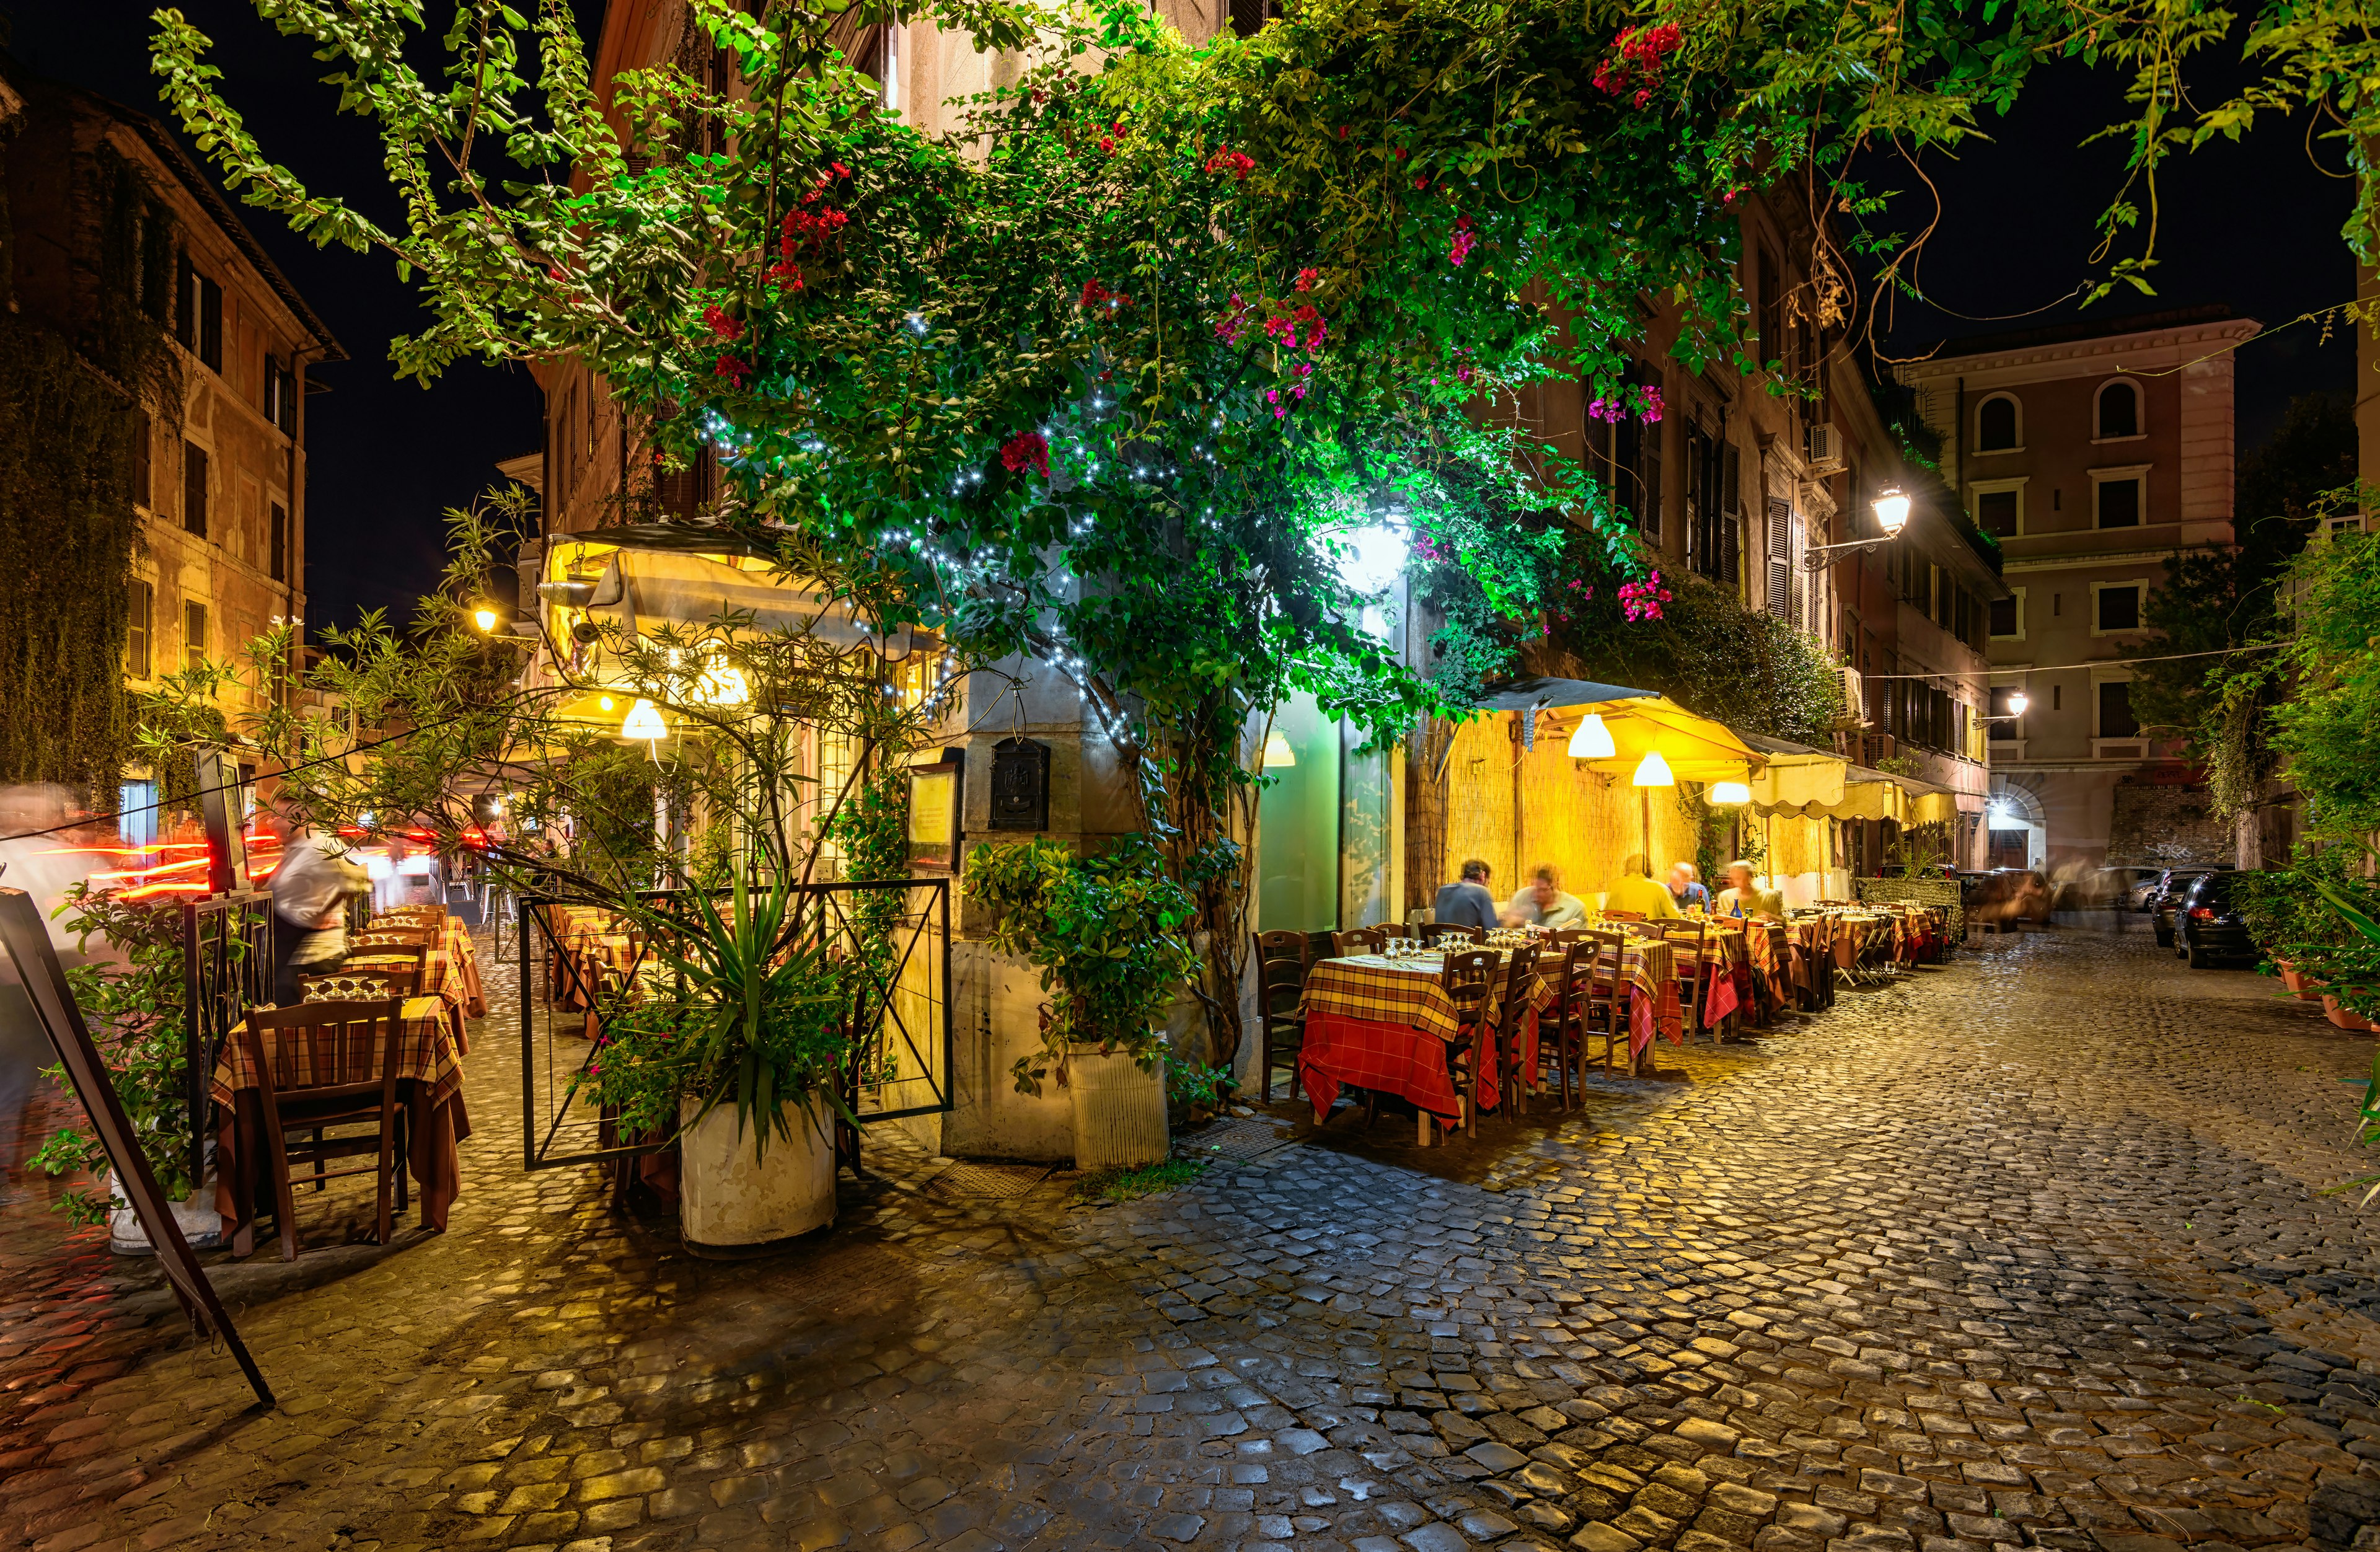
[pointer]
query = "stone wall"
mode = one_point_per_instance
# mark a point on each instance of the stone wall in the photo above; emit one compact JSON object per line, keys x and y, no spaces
{"x":2168,"y":824}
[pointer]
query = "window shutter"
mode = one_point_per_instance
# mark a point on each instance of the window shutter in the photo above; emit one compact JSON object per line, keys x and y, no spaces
{"x":139,"y":598}
{"x":186,"y":302}
{"x":194,"y":489}
{"x":1781,"y":587}
{"x":280,"y":543}
{"x":141,"y":494}
{"x":210,"y":323}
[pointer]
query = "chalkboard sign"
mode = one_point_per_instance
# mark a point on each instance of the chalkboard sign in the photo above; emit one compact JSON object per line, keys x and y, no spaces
{"x":28,"y":942}
{"x":220,"y":806}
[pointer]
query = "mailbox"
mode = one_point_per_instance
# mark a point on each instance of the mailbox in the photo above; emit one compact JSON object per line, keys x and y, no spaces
{"x":1020,"y":785}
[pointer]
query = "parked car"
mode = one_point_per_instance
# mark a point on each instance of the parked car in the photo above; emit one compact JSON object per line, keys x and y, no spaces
{"x":2207,"y":926}
{"x":2129,"y":888}
{"x":2171,"y":886}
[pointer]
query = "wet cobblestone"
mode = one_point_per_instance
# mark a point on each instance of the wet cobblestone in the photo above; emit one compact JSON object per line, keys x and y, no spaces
{"x":2031,"y":1251}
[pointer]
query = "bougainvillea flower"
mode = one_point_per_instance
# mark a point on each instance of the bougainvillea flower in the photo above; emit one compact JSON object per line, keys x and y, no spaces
{"x":1027,"y":450}
{"x":721,"y":324}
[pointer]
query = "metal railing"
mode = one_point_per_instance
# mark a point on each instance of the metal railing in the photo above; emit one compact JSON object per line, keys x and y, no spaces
{"x":894,"y":935}
{"x":226,"y":969}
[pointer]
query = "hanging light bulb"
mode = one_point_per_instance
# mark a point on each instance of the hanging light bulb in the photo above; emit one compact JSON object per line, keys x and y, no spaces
{"x":723,"y":684}
{"x":1729,"y":795}
{"x":1654,"y":772}
{"x":606,"y":703}
{"x":1277,"y":752}
{"x":644,"y":722}
{"x":2018,"y":702}
{"x":1593,"y":740}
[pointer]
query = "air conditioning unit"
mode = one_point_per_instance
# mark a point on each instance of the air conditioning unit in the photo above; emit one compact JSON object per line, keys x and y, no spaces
{"x":1826,"y":449}
{"x":2353,"y":523}
{"x":1854,"y":703}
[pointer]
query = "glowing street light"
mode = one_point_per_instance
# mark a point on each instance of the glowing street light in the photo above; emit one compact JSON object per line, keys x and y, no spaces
{"x":1891,"y":509}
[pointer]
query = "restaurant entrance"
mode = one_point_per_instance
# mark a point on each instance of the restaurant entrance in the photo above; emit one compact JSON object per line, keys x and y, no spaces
{"x":2008,"y":848}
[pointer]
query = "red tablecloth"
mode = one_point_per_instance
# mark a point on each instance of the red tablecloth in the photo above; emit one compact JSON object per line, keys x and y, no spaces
{"x":1398,"y":1058}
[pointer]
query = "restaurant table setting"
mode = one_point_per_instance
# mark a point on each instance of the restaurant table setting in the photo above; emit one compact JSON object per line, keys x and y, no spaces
{"x":430,"y":1081}
{"x":1383,"y":1022}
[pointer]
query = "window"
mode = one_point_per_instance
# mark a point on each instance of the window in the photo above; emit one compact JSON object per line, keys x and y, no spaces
{"x":198,"y":316}
{"x":1998,"y":513}
{"x":1771,"y":314}
{"x":280,"y":394}
{"x":2119,"y":410}
{"x":194,"y":633}
{"x":1627,"y":453}
{"x":2120,"y":503}
{"x":136,"y":806}
{"x":2008,"y":618}
{"x":2116,"y":718}
{"x":2119,"y":608}
{"x":1714,"y":524}
{"x":1996,"y":429}
{"x":280,"y":543}
{"x":141,"y":495}
{"x":1248,"y":16}
{"x":140,"y":602}
{"x":194,"y":489}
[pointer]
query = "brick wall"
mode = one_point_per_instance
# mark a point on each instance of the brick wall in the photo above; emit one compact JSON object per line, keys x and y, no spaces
{"x":2166,"y":824}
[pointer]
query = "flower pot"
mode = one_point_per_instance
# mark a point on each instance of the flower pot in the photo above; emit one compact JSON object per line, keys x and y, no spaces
{"x":2342,"y":1017}
{"x":731,"y":1204}
{"x":202,"y":1225}
{"x":2299,"y":986}
{"x":1119,"y":1110}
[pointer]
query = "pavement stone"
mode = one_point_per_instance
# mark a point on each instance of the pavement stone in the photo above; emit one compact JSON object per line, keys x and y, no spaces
{"x":2029,"y":1251}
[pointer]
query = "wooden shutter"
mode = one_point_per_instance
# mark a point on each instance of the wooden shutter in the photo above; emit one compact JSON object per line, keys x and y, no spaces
{"x":194,"y":489}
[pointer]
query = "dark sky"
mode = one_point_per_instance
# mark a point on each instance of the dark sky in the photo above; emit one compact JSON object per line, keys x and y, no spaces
{"x":2253,"y":226}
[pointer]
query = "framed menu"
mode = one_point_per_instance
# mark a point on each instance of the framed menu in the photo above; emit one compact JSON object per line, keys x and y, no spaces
{"x":934,"y":812}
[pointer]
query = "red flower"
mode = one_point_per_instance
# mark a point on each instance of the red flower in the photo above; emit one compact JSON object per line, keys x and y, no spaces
{"x":1421,"y":182}
{"x":838,"y":169}
{"x":1238,"y":163}
{"x":1305,"y":279}
{"x":722,"y":326}
{"x":1094,"y":293}
{"x":1107,"y":142}
{"x":1027,"y":450}
{"x":556,"y":273}
{"x":735,"y":370}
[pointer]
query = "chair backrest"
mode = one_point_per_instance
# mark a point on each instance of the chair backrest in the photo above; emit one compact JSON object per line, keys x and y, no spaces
{"x":1592,"y":958}
{"x":1624,"y":916}
{"x":1563,"y":936}
{"x":1394,"y":930}
{"x":422,"y":916}
{"x":397,"y":937}
{"x":1280,"y":945}
{"x":1468,"y":976}
{"x":1438,"y":932}
{"x":1519,"y":971}
{"x":1280,"y":969}
{"x":1637,"y":927}
{"x":1358,"y":940}
{"x":324,"y":1045}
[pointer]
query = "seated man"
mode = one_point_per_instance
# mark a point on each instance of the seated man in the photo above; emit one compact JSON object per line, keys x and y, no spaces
{"x":1466,"y":902}
{"x":1686,"y":889}
{"x":1635,"y":889}
{"x":1741,"y":899}
{"x":1541,"y":902}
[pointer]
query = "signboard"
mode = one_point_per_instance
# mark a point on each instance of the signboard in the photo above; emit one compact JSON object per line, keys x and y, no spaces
{"x":28,"y":943}
{"x":1020,"y":785}
{"x":221,"y":807}
{"x":934,"y":795}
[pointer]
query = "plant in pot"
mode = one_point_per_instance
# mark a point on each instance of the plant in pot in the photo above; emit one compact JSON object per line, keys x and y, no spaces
{"x":734,"y":1045}
{"x":1106,"y":934}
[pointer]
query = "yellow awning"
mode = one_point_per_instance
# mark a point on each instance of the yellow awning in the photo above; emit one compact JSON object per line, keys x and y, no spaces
{"x":1695,"y":748}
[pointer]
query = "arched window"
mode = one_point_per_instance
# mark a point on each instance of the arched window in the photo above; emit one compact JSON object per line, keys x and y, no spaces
{"x":1996,"y":424}
{"x":2119,"y":409}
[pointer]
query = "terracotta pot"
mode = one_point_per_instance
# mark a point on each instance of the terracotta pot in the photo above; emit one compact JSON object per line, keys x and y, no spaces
{"x":2299,"y":986}
{"x":2342,"y":1017}
{"x":731,"y":1204}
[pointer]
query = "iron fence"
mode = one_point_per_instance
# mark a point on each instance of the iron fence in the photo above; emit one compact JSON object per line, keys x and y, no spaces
{"x":893,"y":936}
{"x":226,"y":969}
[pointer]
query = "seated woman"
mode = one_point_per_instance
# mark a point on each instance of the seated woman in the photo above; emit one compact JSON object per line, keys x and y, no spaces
{"x":1741,"y":899}
{"x":1635,"y":889}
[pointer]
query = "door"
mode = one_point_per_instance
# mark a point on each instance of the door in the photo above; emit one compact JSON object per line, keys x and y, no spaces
{"x":2008,"y":848}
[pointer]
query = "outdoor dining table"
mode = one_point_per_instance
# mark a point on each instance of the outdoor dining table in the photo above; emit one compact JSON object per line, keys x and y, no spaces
{"x":429,"y":1083}
{"x":442,"y":977}
{"x":1382,"y":1024}
{"x":1727,"y":975}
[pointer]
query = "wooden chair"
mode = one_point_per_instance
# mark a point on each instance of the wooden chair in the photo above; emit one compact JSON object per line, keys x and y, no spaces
{"x":1624,"y":916}
{"x":1512,"y":1082}
{"x":1281,"y":982}
{"x":1435,"y":933}
{"x":398,"y":975}
{"x":414,"y":915}
{"x":1394,"y":930}
{"x":1358,"y":940}
{"x":1563,"y":936}
{"x":396,"y":937}
{"x":1693,"y":985}
{"x":319,"y":1065}
{"x":1469,"y":978}
{"x":1588,"y":997}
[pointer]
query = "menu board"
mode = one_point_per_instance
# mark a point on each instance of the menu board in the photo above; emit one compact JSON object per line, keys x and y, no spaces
{"x":934,"y":813}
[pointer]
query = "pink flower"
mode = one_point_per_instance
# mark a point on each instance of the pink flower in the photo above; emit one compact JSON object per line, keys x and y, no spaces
{"x":1465,"y":241}
{"x":1229,"y":327}
{"x":1107,"y":142}
{"x":1305,"y":278}
{"x":1653,"y":407}
{"x":1027,"y":450}
{"x":1643,"y":601}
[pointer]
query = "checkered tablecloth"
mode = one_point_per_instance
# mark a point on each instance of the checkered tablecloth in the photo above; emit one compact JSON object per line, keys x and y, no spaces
{"x":1404,"y":991}
{"x":1381,"y":1024}
{"x":425,"y":1053}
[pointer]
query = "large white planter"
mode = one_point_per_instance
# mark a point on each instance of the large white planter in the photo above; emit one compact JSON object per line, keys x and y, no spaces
{"x":1119,"y":1110}
{"x":730,"y":1203}
{"x":202,"y":1225}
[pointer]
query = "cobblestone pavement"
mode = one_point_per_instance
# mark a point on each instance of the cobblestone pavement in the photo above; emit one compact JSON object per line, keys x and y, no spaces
{"x":2031,"y":1250}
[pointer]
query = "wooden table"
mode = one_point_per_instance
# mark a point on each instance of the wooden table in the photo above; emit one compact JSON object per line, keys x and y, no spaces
{"x":430,"y":1082}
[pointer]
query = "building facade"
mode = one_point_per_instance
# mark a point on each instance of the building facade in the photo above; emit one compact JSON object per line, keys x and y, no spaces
{"x":2092,"y":454}
{"x":218,"y":457}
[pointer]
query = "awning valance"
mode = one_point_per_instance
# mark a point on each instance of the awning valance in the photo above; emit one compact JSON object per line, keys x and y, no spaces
{"x":1813,"y":783}
{"x":1639,"y":721}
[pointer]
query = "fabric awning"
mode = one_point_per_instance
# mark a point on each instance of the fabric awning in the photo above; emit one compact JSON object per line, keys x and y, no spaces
{"x":1814,"y":783}
{"x":1640,"y":722}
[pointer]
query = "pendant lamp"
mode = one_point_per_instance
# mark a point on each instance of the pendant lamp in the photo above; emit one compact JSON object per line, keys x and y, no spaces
{"x":1729,"y":795}
{"x":1654,"y":772}
{"x":1593,"y":740}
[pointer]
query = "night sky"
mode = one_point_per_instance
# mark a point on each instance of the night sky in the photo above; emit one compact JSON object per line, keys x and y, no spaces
{"x":2253,"y":226}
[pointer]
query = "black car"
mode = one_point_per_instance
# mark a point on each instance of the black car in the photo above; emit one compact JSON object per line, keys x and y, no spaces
{"x":2207,"y":926}
{"x":2165,"y":901}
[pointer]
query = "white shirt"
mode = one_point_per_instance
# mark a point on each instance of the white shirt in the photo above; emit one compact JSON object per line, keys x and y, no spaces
{"x":315,"y":876}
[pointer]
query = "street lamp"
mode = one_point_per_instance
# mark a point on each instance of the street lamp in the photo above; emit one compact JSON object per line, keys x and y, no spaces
{"x":484,"y":617}
{"x":1891,"y":507}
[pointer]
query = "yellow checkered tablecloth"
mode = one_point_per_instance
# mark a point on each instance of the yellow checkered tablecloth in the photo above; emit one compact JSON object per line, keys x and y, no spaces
{"x":425,"y":1053}
{"x":1404,"y":991}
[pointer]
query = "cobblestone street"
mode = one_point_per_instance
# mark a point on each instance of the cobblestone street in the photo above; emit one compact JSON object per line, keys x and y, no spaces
{"x":2028,"y":1250}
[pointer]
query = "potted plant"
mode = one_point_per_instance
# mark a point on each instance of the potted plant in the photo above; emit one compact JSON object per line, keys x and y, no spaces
{"x":739,"y":1056}
{"x":1105,"y":932}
